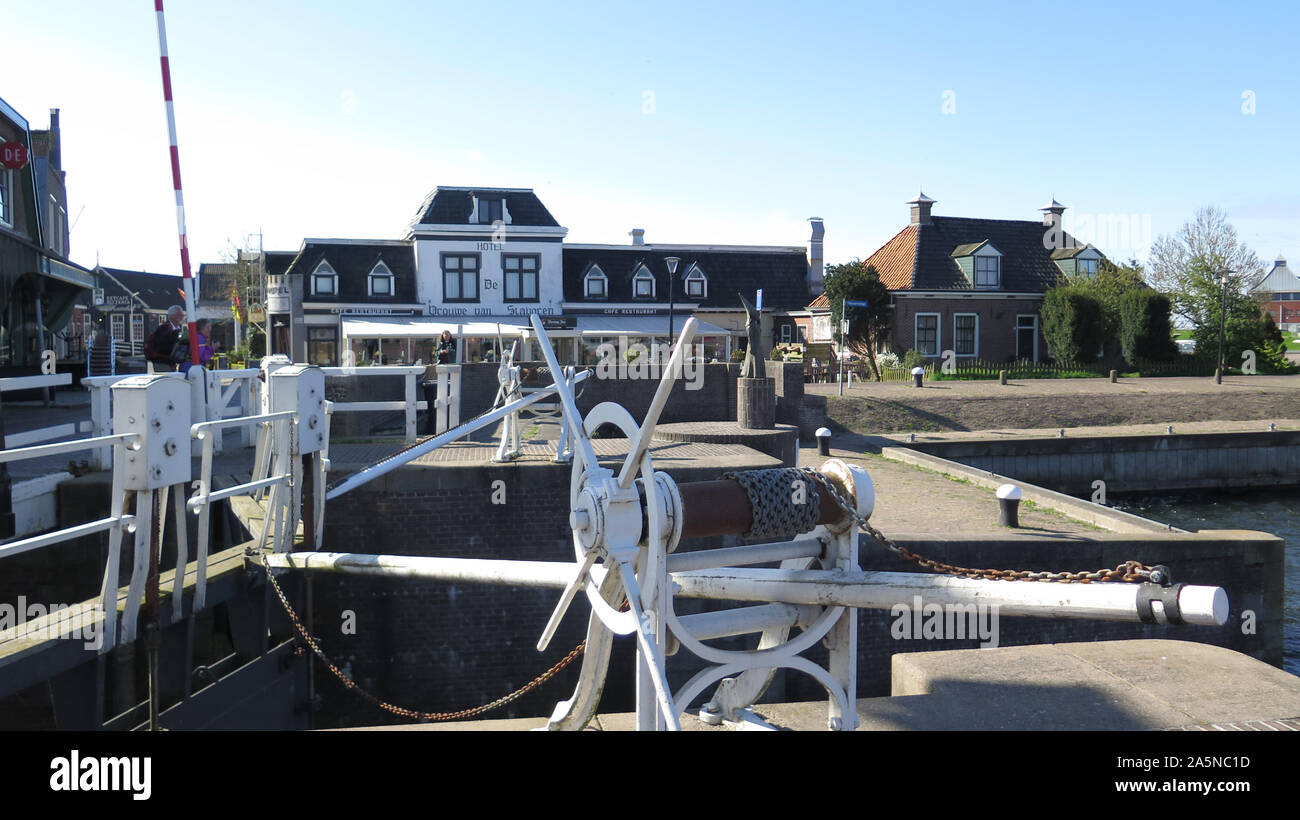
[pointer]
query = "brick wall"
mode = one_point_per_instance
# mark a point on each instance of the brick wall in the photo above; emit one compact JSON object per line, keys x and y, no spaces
{"x":996,"y":331}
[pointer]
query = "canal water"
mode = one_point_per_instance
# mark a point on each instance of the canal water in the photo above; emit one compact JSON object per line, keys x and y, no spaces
{"x":1274,"y":512}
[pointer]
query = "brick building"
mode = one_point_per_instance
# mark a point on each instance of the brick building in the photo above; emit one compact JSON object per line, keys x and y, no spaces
{"x":972,"y":286}
{"x":1279,"y":294}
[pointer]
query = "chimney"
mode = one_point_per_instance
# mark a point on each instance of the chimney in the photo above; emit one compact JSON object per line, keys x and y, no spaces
{"x":638,"y":236}
{"x":56,"y":153}
{"x":816,"y":264}
{"x":921,"y":209}
{"x":1052,"y":214}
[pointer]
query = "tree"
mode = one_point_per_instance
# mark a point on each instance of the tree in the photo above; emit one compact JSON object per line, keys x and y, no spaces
{"x":869,"y":326}
{"x":1072,"y":324}
{"x":1188,"y":264}
{"x":1144,"y":326}
{"x":1248,"y":328}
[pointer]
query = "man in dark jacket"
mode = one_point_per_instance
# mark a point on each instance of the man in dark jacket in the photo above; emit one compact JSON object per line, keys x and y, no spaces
{"x":163,"y":340}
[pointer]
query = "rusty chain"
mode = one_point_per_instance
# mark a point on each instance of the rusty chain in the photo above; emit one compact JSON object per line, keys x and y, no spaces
{"x":1129,"y":571}
{"x":401,"y":711}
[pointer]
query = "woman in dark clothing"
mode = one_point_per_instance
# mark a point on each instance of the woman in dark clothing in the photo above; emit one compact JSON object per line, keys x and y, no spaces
{"x":446,"y":348}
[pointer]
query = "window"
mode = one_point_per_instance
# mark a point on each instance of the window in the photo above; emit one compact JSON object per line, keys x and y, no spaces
{"x":87,"y":326}
{"x":965,"y":331}
{"x":118,"y":326}
{"x":987,"y":269}
{"x":381,"y":280}
{"x":1088,"y":267}
{"x":324,"y":281}
{"x":57,"y":223}
{"x":137,"y":329}
{"x":595,"y":284}
{"x":785,"y":332}
{"x":521,"y":278}
{"x":643,"y":284}
{"x":6,"y":196}
{"x":489,"y":211}
{"x":459,"y":278}
{"x":927,"y":334}
{"x":322,"y":346}
{"x":697,"y":287}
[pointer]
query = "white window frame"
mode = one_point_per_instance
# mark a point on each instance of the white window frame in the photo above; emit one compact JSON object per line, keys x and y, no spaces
{"x":6,"y":197}
{"x":641,"y":274}
{"x":696,"y":275}
{"x":381,"y":271}
{"x":117,"y":327}
{"x":976,"y":352}
{"x":325,"y":269}
{"x":938,"y":334}
{"x":997,"y":269}
{"x":137,"y":321}
{"x":595,"y":273}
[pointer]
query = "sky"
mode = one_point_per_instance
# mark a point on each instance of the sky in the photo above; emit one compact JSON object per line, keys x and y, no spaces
{"x":725,"y":123}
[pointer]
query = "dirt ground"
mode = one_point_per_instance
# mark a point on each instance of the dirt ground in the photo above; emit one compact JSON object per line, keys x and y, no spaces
{"x":1054,"y":403}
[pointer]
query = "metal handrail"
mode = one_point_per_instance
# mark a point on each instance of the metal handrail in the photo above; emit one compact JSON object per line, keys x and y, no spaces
{"x":66,"y":447}
{"x":199,"y":429}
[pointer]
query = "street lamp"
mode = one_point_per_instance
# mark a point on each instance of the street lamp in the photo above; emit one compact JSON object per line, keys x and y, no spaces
{"x":672,"y":273}
{"x":1223,"y":322}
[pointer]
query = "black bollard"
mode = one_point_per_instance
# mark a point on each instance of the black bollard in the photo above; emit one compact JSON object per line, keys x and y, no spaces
{"x":918,"y":373}
{"x":1009,"y":504}
{"x":823,"y":441}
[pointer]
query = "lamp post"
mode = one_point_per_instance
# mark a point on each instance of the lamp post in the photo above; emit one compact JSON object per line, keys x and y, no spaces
{"x":1223,"y":322}
{"x":672,"y":273}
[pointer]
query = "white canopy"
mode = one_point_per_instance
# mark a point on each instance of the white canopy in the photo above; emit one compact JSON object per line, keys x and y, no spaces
{"x":422,"y":327}
{"x":643,"y":326}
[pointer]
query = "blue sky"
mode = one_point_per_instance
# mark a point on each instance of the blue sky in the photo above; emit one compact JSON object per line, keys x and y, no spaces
{"x":718,"y":122}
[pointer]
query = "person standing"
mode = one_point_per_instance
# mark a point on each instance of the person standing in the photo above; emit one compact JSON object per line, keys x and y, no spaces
{"x":203,"y":328}
{"x":446,"y":348}
{"x":158,"y":348}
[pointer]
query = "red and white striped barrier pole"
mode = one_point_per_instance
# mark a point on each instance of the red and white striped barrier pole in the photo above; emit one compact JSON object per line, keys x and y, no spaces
{"x":176,"y":182}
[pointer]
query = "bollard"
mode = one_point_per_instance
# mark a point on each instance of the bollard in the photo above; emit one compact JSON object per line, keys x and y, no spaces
{"x":1169,"y":430}
{"x":1272,"y":428}
{"x":1114,"y":377}
{"x":823,"y":441}
{"x":1009,"y":503}
{"x":918,"y":373}
{"x":1002,"y":377}
{"x":1060,"y":433}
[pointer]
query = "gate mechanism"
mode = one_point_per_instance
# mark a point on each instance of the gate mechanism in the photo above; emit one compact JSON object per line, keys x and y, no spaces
{"x":628,"y":520}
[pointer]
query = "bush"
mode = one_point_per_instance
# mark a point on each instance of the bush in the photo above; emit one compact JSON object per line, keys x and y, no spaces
{"x":914,"y":358}
{"x":1144,"y":328}
{"x":889,"y":360}
{"x":257,"y":345}
{"x":1072,"y":324}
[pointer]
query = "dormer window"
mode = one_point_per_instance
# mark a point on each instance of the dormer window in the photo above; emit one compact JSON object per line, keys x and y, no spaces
{"x":1088,"y":267}
{"x":697,"y":286}
{"x":595,"y":284}
{"x":324,"y":281}
{"x":643,"y":283}
{"x":381,"y":280}
{"x":491,"y":211}
{"x":988,"y":271}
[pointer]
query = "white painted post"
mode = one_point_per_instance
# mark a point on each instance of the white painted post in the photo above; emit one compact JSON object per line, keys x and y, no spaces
{"x":101,"y":419}
{"x":410,"y":407}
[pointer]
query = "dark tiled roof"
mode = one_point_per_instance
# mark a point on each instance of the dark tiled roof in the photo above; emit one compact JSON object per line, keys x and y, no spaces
{"x":781,"y":273}
{"x":1027,"y":265}
{"x":215,"y":280}
{"x":353,"y":261}
{"x":277,"y":262}
{"x":451,"y":206}
{"x":158,"y":290}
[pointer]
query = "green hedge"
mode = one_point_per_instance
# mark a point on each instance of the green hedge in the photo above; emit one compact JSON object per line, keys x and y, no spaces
{"x":1072,"y":323}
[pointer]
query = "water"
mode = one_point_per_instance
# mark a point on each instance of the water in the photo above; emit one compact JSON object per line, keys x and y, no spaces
{"x":1273,"y":512}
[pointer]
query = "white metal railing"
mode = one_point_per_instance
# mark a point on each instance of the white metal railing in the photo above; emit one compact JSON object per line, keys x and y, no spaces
{"x":28,"y":437}
{"x":410,"y":403}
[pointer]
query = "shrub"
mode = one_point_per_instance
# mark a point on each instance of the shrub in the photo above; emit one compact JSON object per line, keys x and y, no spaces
{"x":914,"y":358}
{"x":889,"y":360}
{"x":1072,"y":324}
{"x":1144,"y":328}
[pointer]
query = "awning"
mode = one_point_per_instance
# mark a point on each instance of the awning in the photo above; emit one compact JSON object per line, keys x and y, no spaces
{"x":422,"y":327}
{"x":643,"y":326}
{"x":67,"y":273}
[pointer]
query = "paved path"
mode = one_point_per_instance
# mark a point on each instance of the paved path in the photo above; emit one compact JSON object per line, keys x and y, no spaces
{"x":1103,"y":432}
{"x":1055,"y":387}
